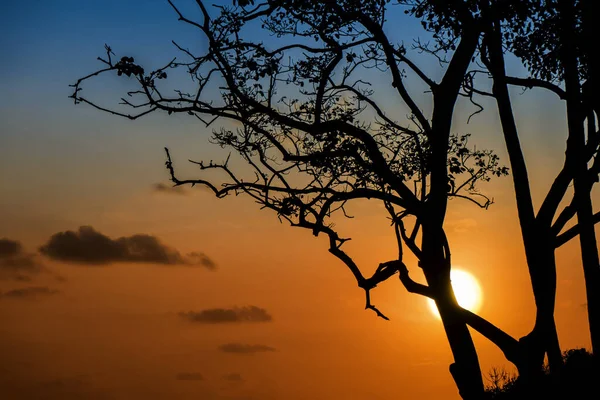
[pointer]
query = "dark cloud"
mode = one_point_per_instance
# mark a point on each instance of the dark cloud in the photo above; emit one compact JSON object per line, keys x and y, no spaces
{"x":22,"y":278}
{"x":240,"y":348}
{"x":189,"y":376}
{"x":201,"y":259}
{"x":63,"y":383}
{"x":228,"y":315}
{"x":29,"y":292}
{"x":9,"y":247}
{"x":88,"y":246}
{"x":233,"y":377}
{"x":15,"y":263}
{"x":163,"y":188}
{"x":70,"y":388}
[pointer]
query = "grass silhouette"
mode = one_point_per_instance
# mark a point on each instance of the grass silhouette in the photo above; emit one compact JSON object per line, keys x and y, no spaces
{"x":575,"y":381}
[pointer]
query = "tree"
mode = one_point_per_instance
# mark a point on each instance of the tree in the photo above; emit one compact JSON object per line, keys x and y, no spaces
{"x":316,"y":136}
{"x":591,"y":104}
{"x":444,"y":23}
{"x":535,"y":228}
{"x":573,"y":69}
{"x":549,"y":39}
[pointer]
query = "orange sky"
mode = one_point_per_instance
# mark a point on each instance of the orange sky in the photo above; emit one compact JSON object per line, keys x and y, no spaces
{"x":115,"y":331}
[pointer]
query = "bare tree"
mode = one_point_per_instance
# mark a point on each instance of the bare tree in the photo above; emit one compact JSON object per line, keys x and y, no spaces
{"x":316,"y":135}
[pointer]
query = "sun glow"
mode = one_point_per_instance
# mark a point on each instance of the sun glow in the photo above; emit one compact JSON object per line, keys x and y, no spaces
{"x":466,"y":289}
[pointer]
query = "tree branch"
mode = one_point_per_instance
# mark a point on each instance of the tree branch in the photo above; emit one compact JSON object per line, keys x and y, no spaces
{"x":572,"y":232}
{"x":534,"y":82}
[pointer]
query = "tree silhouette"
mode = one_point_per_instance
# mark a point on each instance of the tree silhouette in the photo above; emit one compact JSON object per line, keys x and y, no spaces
{"x":549,"y":39}
{"x":577,"y":380}
{"x":316,"y":135}
{"x":590,"y":104}
{"x":535,"y":228}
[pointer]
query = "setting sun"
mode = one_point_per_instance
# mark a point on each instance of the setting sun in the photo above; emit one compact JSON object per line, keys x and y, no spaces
{"x":467,"y":291}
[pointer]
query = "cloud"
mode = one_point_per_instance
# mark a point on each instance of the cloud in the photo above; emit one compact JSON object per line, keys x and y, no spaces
{"x":29,"y":292}
{"x":9,"y":247}
{"x":15,"y":263}
{"x":228,"y":315}
{"x":240,"y":348}
{"x":201,"y":259}
{"x":68,"y":388}
{"x":163,"y":188}
{"x":189,"y":376}
{"x":22,"y":278}
{"x":233,"y":377}
{"x":88,"y":246}
{"x":427,"y":362}
{"x":463,"y":225}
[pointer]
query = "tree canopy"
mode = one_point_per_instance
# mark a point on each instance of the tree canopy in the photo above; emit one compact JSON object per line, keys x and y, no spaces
{"x":322,"y":113}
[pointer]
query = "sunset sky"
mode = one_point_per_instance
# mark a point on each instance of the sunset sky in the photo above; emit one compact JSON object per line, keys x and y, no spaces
{"x":227,"y":302}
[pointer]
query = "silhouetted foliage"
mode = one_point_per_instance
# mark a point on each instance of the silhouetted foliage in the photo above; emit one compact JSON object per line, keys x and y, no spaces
{"x":315,"y":134}
{"x":538,"y":39}
{"x":552,"y":41}
{"x":576,"y":381}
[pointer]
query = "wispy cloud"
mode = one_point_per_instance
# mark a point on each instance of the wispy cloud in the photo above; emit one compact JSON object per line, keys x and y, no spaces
{"x":15,"y":263}
{"x":29,"y":292}
{"x":79,"y":387}
{"x":168,"y":189}
{"x":233,"y":377}
{"x":189,"y":376}
{"x":241,"y":348}
{"x":462,"y":225}
{"x":228,"y":315}
{"x":88,"y":246}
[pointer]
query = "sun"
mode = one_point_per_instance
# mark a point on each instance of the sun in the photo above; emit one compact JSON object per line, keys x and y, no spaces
{"x":466,"y":289}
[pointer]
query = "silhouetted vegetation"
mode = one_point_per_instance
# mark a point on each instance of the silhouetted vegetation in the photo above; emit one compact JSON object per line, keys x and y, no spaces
{"x":315,"y":135}
{"x":576,"y":381}
{"x":551,"y":39}
{"x":552,"y":43}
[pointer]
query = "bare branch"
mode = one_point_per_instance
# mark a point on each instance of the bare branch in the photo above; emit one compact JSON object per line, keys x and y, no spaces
{"x":534,"y":82}
{"x":573,"y":232}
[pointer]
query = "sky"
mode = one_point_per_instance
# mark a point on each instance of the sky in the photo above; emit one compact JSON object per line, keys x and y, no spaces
{"x":118,"y":287}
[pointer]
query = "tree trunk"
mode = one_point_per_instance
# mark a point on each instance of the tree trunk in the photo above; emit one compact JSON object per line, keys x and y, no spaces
{"x":539,"y":246}
{"x":436,"y":257}
{"x":587,"y":234}
{"x":465,"y":370}
{"x":436,"y":266}
{"x":543,"y":339}
{"x":589,"y":251}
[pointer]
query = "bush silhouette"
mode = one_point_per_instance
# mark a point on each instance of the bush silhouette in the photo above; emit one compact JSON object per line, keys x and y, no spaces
{"x":575,"y":381}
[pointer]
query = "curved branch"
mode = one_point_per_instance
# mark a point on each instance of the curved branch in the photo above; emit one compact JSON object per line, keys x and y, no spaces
{"x":410,"y":241}
{"x":412,"y":286}
{"x":428,"y":81}
{"x":573,"y":231}
{"x":506,"y":343}
{"x":397,"y":81}
{"x":534,"y":82}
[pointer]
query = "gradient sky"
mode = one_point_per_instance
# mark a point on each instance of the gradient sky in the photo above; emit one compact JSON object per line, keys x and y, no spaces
{"x":118,"y":328}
